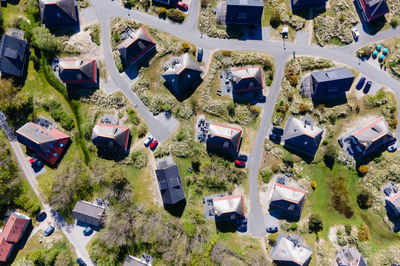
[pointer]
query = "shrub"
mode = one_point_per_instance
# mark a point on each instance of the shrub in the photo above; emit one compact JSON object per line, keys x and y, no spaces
{"x":347,"y":229}
{"x":341,"y":241}
{"x":303,"y":108}
{"x":314,"y":185}
{"x":176,"y":15}
{"x":133,"y":117}
{"x":204,"y":3}
{"x":293,"y":80}
{"x":315,"y":223}
{"x":167,"y":108}
{"x":162,"y":12}
{"x":330,"y":156}
{"x":142,"y":131}
{"x":266,"y":174}
{"x":288,"y":159}
{"x":290,"y":96}
{"x":365,"y":200}
{"x":393,"y":123}
{"x":293,"y":226}
{"x":95,"y":34}
{"x":275,"y":18}
{"x":363,"y":169}
{"x":139,"y":159}
{"x":341,"y":18}
{"x":185,"y":47}
{"x":394,"y":22}
{"x":363,"y":233}
{"x":45,"y":41}
{"x":231,"y":109}
{"x":272,"y":238}
{"x":227,"y":53}
{"x":196,"y":163}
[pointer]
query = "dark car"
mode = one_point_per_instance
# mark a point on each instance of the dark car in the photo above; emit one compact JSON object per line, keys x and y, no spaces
{"x":360,"y":83}
{"x":367,"y":87}
{"x":48,"y":231}
{"x":41,"y":217}
{"x":277,"y":131}
{"x":242,"y":157}
{"x":242,"y":225}
{"x":88,"y":230}
{"x":272,"y":229}
{"x":200,"y":54}
{"x":80,"y":262}
{"x":37,"y":164}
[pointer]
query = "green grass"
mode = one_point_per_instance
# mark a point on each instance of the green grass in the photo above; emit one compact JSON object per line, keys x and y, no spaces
{"x":11,"y":12}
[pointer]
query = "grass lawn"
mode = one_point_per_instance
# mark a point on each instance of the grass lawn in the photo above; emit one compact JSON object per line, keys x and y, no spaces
{"x":12,"y":11}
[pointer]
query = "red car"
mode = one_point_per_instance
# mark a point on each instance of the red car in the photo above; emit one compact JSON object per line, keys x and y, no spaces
{"x":239,"y":163}
{"x":182,"y":5}
{"x":153,"y":144}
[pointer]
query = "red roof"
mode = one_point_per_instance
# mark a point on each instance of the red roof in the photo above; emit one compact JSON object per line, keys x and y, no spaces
{"x":14,"y":228}
{"x":5,"y":248}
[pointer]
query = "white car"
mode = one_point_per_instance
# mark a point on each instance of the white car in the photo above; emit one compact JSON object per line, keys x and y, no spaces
{"x":148,"y":140}
{"x":392,"y":148}
{"x":355,"y":32}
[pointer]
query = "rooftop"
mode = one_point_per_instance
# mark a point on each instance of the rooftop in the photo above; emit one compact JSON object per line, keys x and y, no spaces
{"x":291,"y":249}
{"x":229,"y":204}
{"x":332,"y":74}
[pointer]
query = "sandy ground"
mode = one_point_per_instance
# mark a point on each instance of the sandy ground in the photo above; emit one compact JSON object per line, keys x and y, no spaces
{"x":332,"y":235}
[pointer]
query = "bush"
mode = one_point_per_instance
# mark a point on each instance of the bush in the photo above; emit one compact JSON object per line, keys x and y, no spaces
{"x":266,"y":174}
{"x":363,"y":169}
{"x":330,"y":156}
{"x":162,"y":12}
{"x":196,"y":163}
{"x":363,"y":233}
{"x":347,"y":229}
{"x":231,"y":109}
{"x":133,"y":117}
{"x":142,"y":131}
{"x":176,"y":15}
{"x":293,"y":226}
{"x":275,"y":18}
{"x":303,"y":108}
{"x":314,"y":185}
{"x":139,"y":159}
{"x":45,"y":41}
{"x":272,"y":238}
{"x":393,"y":123}
{"x":204,"y":3}
{"x":288,"y":159}
{"x":315,"y":223}
{"x":365,"y":200}
{"x":185,"y":47}
{"x":255,"y":112}
{"x":293,"y":80}
{"x":394,"y":22}
{"x":95,"y":34}
{"x":66,"y":120}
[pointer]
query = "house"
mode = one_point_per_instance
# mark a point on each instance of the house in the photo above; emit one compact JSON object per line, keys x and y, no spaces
{"x":291,"y":250}
{"x":331,"y":84}
{"x":244,"y":12}
{"x":12,"y":233}
{"x":349,"y":257}
{"x":48,"y":143}
{"x":302,"y":136}
{"x":89,"y":213}
{"x":78,"y":71}
{"x":146,"y":260}
{"x":287,"y":199}
{"x":372,"y":9}
{"x":135,"y":45}
{"x":224,"y":139}
{"x":13,"y":54}
{"x":371,"y":138}
{"x":169,"y":181}
{"x":247,"y":80}
{"x":59,"y":13}
{"x":164,"y":2}
{"x":111,"y":137}
{"x":182,"y":75}
{"x":306,"y":4}
{"x":392,"y":197}
{"x":228,"y":208}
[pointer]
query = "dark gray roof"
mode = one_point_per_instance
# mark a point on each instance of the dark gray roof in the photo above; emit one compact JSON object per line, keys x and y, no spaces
{"x":288,"y":199}
{"x":299,"y":4}
{"x":245,"y":3}
{"x":78,"y":71}
{"x":246,"y":79}
{"x":224,"y":138}
{"x":13,"y":52}
{"x":332,"y":74}
{"x":88,"y":213}
{"x":169,"y":181}
{"x":302,"y":135}
{"x":291,"y":250}
{"x":183,"y":74}
{"x":110,"y":136}
{"x":58,"y":13}
{"x":349,"y":257}
{"x":244,"y":12}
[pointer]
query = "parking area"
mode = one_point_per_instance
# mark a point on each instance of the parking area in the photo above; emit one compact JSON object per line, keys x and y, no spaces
{"x":202,"y":130}
{"x":226,"y":83}
{"x":208,"y":204}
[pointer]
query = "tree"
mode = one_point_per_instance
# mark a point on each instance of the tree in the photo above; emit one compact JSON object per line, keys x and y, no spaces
{"x":293,"y":80}
{"x":314,"y":185}
{"x":185,"y":47}
{"x":364,"y":199}
{"x":162,"y":13}
{"x":363,"y":169}
{"x":176,"y":15}
{"x":394,"y":21}
{"x":303,"y":108}
{"x":45,"y":41}
{"x":231,"y":109}
{"x":204,"y":3}
{"x":275,"y":18}
{"x":315,"y":224}
{"x":330,"y":156}
{"x":145,"y":4}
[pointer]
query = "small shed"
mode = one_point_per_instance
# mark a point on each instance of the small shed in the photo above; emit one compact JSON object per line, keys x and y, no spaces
{"x":385,"y":51}
{"x":375,"y":53}
{"x":379,"y":47}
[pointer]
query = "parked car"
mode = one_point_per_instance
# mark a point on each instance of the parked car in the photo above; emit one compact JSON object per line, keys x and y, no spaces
{"x":33,"y":159}
{"x":214,"y":11}
{"x":88,"y":230}
{"x":48,"y":231}
{"x":201,"y":121}
{"x":393,"y":147}
{"x":182,"y":6}
{"x":242,"y":157}
{"x":80,"y":262}
{"x":153,"y":144}
{"x":242,"y":225}
{"x":37,"y":164}
{"x":148,"y":140}
{"x":41,"y":217}
{"x":355,"y":32}
{"x":200,"y":54}
{"x":272,"y":229}
{"x":261,"y":97}
{"x":360,"y":83}
{"x":277,"y":131}
{"x":239,"y":163}
{"x":367,"y":87}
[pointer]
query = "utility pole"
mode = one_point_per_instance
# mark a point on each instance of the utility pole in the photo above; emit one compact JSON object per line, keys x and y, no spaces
{"x":294,"y":54}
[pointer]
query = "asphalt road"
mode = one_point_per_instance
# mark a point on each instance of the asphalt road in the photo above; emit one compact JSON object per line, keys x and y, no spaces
{"x":105,"y":10}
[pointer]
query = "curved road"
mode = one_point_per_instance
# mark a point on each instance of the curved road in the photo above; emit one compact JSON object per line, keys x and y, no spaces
{"x":106,"y":10}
